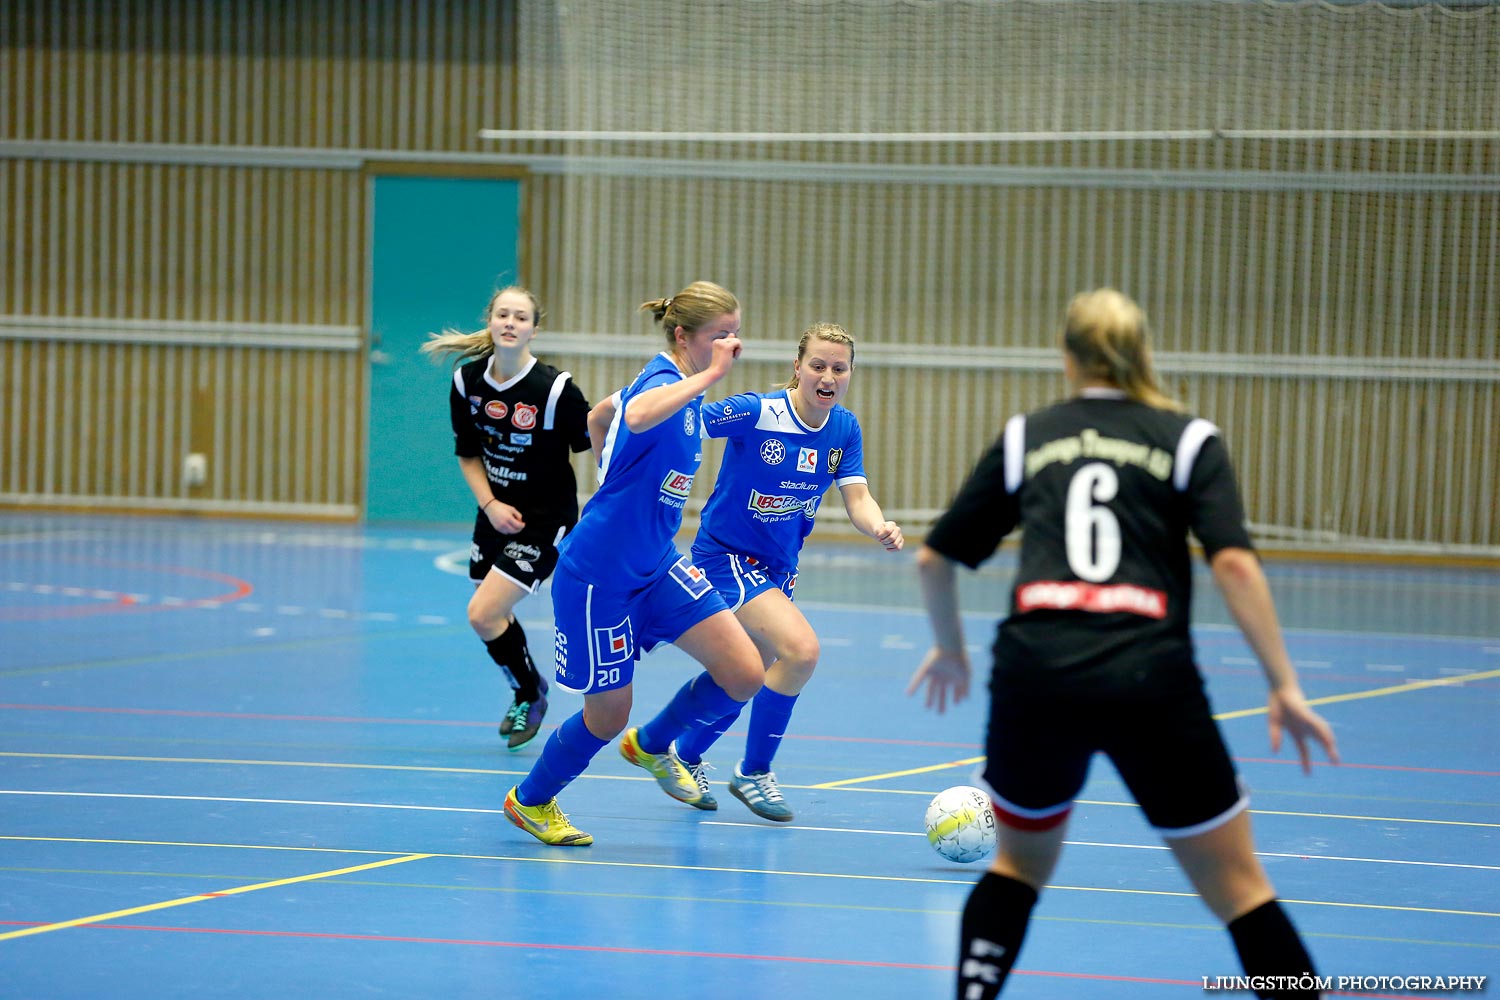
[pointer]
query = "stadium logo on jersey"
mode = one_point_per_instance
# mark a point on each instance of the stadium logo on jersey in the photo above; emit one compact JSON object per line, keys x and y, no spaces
{"x":520,"y":439}
{"x":614,"y":644}
{"x":495,"y":409}
{"x":807,"y":460}
{"x":835,"y":456}
{"x":679,"y":484}
{"x":810,"y":507}
{"x":690,"y":578}
{"x":772,"y":452}
{"x":768,"y":503}
{"x":689,"y":421}
{"x":520,"y":550}
{"x":525,"y":416}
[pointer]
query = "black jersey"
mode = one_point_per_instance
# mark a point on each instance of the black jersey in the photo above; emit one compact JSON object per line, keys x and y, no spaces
{"x":523,"y":430}
{"x":1106,"y":490}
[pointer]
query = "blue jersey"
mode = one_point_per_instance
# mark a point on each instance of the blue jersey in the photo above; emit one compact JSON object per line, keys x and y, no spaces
{"x":776,"y":469}
{"x":624,"y":537}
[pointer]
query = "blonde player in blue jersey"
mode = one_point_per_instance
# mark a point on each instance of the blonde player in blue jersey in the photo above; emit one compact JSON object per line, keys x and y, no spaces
{"x":784,"y":450}
{"x":622,"y":587}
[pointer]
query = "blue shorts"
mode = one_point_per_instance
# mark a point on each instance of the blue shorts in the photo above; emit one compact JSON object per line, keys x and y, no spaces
{"x":599,"y":633}
{"x":738,"y":579}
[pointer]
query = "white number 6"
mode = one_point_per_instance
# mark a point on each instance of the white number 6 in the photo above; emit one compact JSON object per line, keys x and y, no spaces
{"x":1092,"y":531}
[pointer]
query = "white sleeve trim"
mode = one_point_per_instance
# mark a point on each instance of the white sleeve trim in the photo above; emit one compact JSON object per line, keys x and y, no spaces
{"x":552,"y":398}
{"x":608,"y":451}
{"x":1197,"y":431}
{"x":1015,"y":452}
{"x":458,"y":381}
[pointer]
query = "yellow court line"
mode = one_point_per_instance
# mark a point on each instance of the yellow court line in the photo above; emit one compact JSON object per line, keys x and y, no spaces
{"x":1482,"y":675}
{"x":100,"y":917}
{"x":899,"y":774}
{"x":961,"y":879}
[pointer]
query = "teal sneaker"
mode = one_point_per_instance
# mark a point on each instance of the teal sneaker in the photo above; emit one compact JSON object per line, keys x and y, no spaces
{"x":759,"y":791}
{"x":699,"y":771}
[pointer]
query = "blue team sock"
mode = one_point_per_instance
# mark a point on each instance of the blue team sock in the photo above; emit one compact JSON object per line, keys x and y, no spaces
{"x":693,"y":744}
{"x":567,"y":752}
{"x":768,"y":722}
{"x":699,"y":702}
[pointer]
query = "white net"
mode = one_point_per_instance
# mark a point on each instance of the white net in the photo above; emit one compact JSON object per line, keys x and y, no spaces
{"x":1305,"y":197}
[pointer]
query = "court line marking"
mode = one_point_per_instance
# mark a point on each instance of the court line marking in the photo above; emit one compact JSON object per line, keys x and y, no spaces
{"x":200,"y":897}
{"x":1481,"y":675}
{"x":626,"y":777}
{"x":764,"y":903}
{"x":966,"y":881}
{"x":726,"y":823}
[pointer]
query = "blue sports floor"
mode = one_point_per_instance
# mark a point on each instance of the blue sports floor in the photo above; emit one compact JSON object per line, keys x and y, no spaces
{"x":259,"y":760}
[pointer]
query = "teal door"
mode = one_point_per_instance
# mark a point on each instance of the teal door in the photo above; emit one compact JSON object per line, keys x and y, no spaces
{"x":441,"y":246}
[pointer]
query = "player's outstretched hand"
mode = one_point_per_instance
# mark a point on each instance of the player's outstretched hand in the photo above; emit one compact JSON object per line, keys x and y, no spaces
{"x":944,"y":672}
{"x":889,"y":535}
{"x":1287,"y":711}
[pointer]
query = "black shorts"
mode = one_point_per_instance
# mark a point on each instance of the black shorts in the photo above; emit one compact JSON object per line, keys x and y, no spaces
{"x":1166,"y":746}
{"x":525,"y":558}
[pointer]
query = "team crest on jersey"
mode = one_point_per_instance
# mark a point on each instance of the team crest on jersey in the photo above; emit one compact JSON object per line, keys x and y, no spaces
{"x":690,"y":578}
{"x":614,"y":644}
{"x":495,"y":409}
{"x":807,"y":460}
{"x":689,"y":422}
{"x":835,"y":456}
{"x":524,"y":418}
{"x":772,"y":452}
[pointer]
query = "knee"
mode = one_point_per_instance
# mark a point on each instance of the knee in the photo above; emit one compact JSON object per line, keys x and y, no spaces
{"x":800,"y":658}
{"x":487,"y":619}
{"x":744,"y":677}
{"x":606,"y":721}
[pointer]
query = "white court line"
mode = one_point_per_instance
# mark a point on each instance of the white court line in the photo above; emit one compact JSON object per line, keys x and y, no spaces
{"x":747,"y":826}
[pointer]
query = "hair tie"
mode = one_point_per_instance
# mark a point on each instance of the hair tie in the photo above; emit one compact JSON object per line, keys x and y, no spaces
{"x":665,"y":305}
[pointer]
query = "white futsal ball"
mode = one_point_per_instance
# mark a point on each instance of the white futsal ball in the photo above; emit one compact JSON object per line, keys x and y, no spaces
{"x":961,"y":824}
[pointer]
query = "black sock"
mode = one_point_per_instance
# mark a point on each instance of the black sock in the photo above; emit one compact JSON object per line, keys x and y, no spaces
{"x":1270,"y":946}
{"x":994,"y":925}
{"x":509,"y":652}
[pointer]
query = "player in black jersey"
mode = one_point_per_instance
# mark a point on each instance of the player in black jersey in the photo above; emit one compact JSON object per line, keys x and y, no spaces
{"x":515,"y":421}
{"x":1095,"y":655}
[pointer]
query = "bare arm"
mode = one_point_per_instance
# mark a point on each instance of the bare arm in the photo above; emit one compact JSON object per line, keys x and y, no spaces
{"x":503,"y":517}
{"x":1243,"y":584}
{"x":945,"y":669}
{"x":865,"y":514}
{"x":655,"y":405}
{"x":599,"y":419}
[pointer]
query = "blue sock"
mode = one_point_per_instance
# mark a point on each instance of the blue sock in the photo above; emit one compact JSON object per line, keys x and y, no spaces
{"x":699,"y":702}
{"x":693,"y":744}
{"x":564,"y":756}
{"x":768,"y":721}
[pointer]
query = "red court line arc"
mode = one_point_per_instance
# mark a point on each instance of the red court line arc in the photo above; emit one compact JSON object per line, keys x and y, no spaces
{"x":240,"y":589}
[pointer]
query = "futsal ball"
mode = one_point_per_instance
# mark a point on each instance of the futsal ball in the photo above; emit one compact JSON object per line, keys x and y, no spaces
{"x":961,"y":824}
